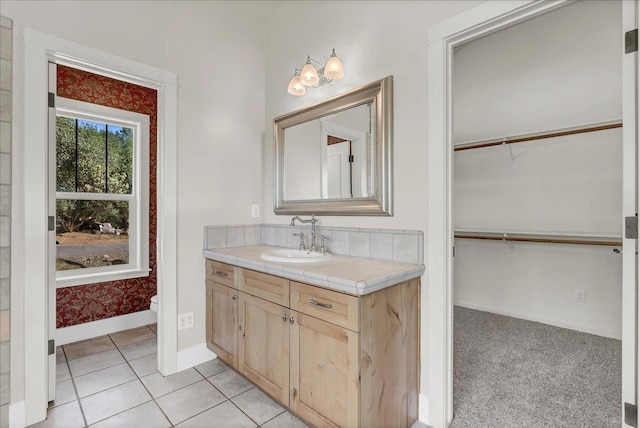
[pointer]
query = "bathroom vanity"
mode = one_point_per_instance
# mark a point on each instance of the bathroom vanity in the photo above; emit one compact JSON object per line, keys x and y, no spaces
{"x":337,"y":342}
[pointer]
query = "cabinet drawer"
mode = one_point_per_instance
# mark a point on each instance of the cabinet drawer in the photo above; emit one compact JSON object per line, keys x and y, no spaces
{"x":267,"y":287}
{"x":220,"y":273}
{"x":331,"y":306}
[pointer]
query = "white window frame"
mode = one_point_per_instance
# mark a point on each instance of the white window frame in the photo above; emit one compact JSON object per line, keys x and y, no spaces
{"x":138,"y":199}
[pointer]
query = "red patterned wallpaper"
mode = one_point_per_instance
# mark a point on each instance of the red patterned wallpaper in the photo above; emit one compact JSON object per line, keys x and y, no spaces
{"x":84,"y":303}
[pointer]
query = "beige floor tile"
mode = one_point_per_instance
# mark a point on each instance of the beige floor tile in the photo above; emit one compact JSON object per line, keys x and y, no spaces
{"x":88,"y":347}
{"x":257,"y":405}
{"x":187,"y":402}
{"x":103,"y":379}
{"x":153,"y":327}
{"x":222,"y":416}
{"x":62,"y":372}
{"x":113,"y":401}
{"x":60,"y":358}
{"x":147,"y":415}
{"x":65,"y":393}
{"x":135,"y":335}
{"x":92,"y":363}
{"x":230,"y":383}
{"x":159,"y":385}
{"x":139,"y":349}
{"x":211,"y":367}
{"x":65,"y":416}
{"x":145,"y":366}
{"x":285,"y":420}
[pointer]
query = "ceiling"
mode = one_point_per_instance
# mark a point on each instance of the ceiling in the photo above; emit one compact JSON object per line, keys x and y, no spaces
{"x":257,"y":10}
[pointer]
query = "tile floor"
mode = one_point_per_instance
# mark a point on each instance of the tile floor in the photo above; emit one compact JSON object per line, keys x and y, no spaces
{"x":112,"y":381}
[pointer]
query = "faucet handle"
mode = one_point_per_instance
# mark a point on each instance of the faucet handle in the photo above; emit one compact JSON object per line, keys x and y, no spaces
{"x":301,"y":244}
{"x":323,"y":240}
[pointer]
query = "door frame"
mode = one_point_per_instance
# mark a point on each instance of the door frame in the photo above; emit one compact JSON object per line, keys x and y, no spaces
{"x":39,"y":49}
{"x":436,"y":398}
{"x":631,"y":188}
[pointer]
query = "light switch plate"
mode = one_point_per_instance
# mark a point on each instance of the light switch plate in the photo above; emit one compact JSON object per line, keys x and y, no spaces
{"x":255,"y":211}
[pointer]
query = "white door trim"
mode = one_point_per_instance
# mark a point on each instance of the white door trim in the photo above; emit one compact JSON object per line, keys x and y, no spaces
{"x":630,"y":157}
{"x":39,"y":48}
{"x":437,"y":302}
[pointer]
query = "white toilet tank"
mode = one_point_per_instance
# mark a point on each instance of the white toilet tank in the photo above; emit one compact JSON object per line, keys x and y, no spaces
{"x":154,"y":303}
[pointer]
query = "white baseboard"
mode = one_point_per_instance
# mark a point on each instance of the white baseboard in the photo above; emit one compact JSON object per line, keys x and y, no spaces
{"x":92,"y":329}
{"x":582,"y":328}
{"x":17,"y":415}
{"x":423,"y":408}
{"x":194,"y":355}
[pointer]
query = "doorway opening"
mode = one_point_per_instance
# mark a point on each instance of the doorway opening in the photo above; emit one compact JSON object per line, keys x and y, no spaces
{"x":537,"y":212}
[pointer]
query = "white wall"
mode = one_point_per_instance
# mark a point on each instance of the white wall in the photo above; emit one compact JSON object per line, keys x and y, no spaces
{"x":537,"y":76}
{"x":219,"y":58}
{"x":373,"y":39}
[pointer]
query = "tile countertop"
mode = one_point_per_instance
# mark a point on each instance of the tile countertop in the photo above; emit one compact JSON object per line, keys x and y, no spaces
{"x":352,"y":275}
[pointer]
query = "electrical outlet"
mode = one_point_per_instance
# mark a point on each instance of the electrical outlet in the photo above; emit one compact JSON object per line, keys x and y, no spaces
{"x":255,"y":211}
{"x":581,"y":296}
{"x":185,"y":321}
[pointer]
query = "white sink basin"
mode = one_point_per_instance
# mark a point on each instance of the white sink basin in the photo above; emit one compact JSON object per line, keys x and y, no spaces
{"x":289,"y":255}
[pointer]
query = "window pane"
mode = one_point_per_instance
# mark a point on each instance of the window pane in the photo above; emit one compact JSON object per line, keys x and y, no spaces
{"x":120,"y":159}
{"x":65,"y":154}
{"x":91,"y":156}
{"x":91,"y":233}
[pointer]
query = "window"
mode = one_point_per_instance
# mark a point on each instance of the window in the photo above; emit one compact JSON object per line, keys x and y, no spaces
{"x":101,"y":193}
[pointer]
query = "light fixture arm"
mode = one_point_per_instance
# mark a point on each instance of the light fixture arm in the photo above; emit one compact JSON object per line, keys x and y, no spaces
{"x":313,"y":74}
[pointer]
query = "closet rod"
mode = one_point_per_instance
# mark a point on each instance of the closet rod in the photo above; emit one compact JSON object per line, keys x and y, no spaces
{"x":552,"y":239}
{"x":602,"y":126}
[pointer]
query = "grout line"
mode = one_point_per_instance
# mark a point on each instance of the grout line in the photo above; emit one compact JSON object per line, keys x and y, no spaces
{"x":75,"y":389}
{"x":279,"y":414}
{"x":143,"y":385}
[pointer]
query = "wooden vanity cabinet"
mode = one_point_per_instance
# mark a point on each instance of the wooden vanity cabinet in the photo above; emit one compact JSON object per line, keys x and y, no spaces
{"x":222,"y":310}
{"x":335,"y":360}
{"x":263,"y":345}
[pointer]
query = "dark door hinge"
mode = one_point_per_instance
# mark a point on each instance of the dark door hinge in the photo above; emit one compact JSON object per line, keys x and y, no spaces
{"x":631,"y":414}
{"x":52,"y":100}
{"x":52,"y":347}
{"x":631,"y":41}
{"x":631,"y":227}
{"x":51,"y":223}
{"x":351,"y":158}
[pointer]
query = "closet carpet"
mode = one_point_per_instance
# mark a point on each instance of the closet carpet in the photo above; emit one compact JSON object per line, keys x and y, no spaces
{"x":514,"y":373}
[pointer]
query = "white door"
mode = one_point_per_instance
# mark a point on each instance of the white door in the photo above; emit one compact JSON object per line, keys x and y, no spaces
{"x":339,"y":170}
{"x":51,"y":244}
{"x":631,"y":185}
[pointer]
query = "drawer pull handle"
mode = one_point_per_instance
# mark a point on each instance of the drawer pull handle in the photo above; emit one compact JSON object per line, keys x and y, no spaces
{"x":221,"y":273}
{"x":284,"y":317}
{"x":322,"y":305}
{"x":234,"y":297}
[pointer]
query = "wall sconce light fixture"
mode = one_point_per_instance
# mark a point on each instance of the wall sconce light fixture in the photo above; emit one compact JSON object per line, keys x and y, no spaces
{"x":309,"y":75}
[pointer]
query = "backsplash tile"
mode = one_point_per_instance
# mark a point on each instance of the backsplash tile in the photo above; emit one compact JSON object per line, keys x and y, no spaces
{"x":384,"y":244}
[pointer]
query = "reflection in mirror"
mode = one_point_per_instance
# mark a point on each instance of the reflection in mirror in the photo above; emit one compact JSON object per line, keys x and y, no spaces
{"x":331,"y":157}
{"x":335,"y":157}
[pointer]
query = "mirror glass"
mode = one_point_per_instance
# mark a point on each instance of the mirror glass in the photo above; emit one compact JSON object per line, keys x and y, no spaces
{"x":331,"y":157}
{"x":334,"y":158}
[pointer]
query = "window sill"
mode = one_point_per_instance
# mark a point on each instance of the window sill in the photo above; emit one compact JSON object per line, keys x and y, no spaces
{"x":96,"y":277}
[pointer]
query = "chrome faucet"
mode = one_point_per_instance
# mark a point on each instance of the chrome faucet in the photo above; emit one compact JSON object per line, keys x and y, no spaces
{"x":313,"y":222}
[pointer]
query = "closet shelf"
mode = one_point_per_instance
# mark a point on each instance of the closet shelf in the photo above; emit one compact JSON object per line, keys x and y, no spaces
{"x":531,"y":237}
{"x":600,"y":126}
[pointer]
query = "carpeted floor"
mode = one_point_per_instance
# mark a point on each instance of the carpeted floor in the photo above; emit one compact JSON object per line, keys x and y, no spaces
{"x":513,"y":373}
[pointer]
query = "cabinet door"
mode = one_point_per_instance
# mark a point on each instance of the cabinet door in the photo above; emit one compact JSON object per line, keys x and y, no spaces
{"x":263,"y":346}
{"x":222,"y":328}
{"x":324,"y":372}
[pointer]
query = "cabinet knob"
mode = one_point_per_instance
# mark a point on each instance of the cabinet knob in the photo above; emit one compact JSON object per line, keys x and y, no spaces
{"x":284,"y":317}
{"x":221,"y":273}
{"x":234,"y":297}
{"x":291,"y":320}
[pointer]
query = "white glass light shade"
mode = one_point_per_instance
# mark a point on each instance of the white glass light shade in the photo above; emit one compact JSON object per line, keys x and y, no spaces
{"x":295,"y":87}
{"x":309,"y":74}
{"x":333,"y":69}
